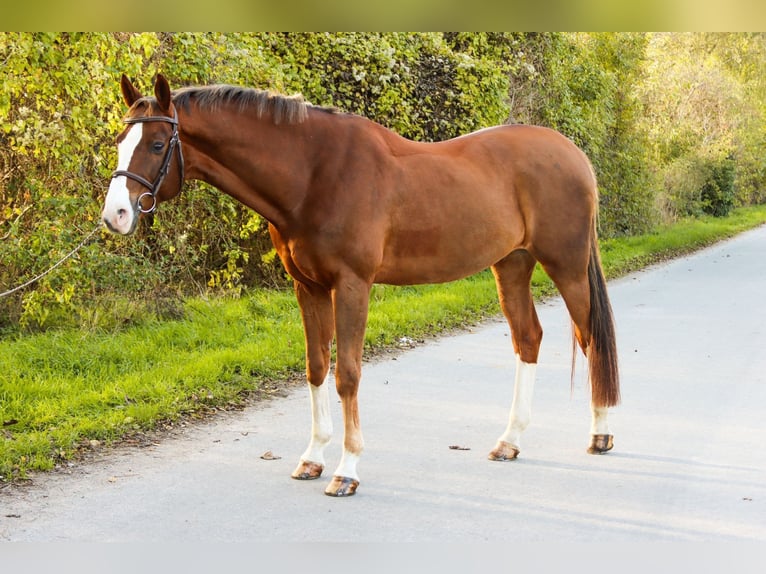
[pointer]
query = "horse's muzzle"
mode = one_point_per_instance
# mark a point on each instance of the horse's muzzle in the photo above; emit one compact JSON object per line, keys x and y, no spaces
{"x":122,"y":221}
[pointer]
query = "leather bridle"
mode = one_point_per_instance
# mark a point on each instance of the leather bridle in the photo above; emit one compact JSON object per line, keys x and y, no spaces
{"x":173,"y":143}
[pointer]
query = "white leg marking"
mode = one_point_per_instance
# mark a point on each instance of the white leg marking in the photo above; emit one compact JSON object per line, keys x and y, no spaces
{"x":521,"y":409}
{"x":321,"y":423}
{"x":118,"y":213}
{"x":347,"y":466}
{"x":599,"y":424}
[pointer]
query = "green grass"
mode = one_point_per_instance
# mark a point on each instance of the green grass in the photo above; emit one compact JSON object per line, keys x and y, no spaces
{"x":61,"y":390}
{"x":628,"y":254}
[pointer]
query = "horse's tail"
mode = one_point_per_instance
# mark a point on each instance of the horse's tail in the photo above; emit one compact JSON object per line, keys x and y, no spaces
{"x":602,"y":348}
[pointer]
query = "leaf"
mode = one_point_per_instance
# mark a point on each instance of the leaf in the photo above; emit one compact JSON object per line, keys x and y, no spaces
{"x":268,"y":455}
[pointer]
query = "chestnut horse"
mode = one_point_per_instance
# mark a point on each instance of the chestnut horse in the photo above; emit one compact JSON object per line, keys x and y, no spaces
{"x":350,"y":203}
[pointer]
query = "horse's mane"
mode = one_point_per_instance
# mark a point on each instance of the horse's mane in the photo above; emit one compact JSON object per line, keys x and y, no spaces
{"x":283,"y":109}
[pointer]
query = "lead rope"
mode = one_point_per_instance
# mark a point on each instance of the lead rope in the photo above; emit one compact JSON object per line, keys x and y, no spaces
{"x":63,"y":259}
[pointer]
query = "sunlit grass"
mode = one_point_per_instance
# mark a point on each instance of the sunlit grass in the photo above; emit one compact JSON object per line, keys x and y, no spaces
{"x":627,"y":254}
{"x":61,"y":390}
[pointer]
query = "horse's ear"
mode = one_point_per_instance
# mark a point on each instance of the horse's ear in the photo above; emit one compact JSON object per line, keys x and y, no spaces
{"x":129,"y":92}
{"x":162,"y":93}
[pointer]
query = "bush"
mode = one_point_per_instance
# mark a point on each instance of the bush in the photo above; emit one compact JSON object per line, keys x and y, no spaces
{"x":717,"y":194}
{"x":698,"y":186}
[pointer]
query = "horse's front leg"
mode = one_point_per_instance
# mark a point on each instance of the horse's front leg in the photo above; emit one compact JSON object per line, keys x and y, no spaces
{"x":350,"y":301}
{"x":318,"y":324}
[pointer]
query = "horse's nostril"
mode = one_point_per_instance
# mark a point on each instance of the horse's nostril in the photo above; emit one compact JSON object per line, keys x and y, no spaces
{"x":109,"y":225}
{"x":122,"y":213}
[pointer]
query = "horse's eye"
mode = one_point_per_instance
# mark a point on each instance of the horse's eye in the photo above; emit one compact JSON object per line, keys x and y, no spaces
{"x":157,"y":147}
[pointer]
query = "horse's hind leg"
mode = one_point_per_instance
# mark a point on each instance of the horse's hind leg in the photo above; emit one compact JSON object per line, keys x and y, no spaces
{"x":318,"y":323}
{"x":575,"y":290}
{"x":601,"y":440}
{"x":513,"y":275}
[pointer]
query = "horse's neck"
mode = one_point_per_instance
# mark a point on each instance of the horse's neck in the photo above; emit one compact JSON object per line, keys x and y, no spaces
{"x":256,"y":162}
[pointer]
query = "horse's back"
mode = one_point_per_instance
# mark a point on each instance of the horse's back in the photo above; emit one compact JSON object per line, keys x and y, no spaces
{"x":502,"y":165}
{"x":459,"y":206}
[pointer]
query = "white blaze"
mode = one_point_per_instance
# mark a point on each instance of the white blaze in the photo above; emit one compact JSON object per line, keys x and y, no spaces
{"x":119,"y":214}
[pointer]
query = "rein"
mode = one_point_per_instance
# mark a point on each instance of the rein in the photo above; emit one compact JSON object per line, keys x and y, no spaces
{"x":173,"y":143}
{"x":54,"y":266}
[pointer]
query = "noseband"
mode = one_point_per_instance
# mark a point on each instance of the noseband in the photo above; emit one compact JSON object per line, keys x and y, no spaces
{"x":174,"y":142}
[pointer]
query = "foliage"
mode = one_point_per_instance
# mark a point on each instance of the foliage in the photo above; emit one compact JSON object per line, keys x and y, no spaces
{"x":414,"y":84}
{"x":704,"y":114}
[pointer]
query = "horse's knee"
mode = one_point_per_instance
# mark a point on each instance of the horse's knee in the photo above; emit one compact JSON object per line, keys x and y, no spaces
{"x":317,"y":374}
{"x":347,"y":379}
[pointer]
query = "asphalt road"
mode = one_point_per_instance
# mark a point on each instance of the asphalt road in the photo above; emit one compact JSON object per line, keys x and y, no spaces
{"x":689,"y":461}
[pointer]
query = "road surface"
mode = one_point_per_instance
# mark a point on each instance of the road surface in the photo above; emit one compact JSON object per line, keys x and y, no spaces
{"x":689,"y":462}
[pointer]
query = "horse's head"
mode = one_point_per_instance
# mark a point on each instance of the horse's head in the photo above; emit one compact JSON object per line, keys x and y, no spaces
{"x":149,"y":159}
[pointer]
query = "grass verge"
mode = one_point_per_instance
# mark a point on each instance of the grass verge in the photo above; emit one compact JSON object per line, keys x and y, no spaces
{"x":65,"y":392}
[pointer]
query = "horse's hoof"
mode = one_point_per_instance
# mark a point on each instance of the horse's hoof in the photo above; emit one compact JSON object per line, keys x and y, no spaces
{"x":601,"y":443}
{"x":503,"y":451}
{"x":307,"y":470}
{"x":341,"y":486}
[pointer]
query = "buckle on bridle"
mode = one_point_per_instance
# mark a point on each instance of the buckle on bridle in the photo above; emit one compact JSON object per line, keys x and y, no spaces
{"x":154,"y":202}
